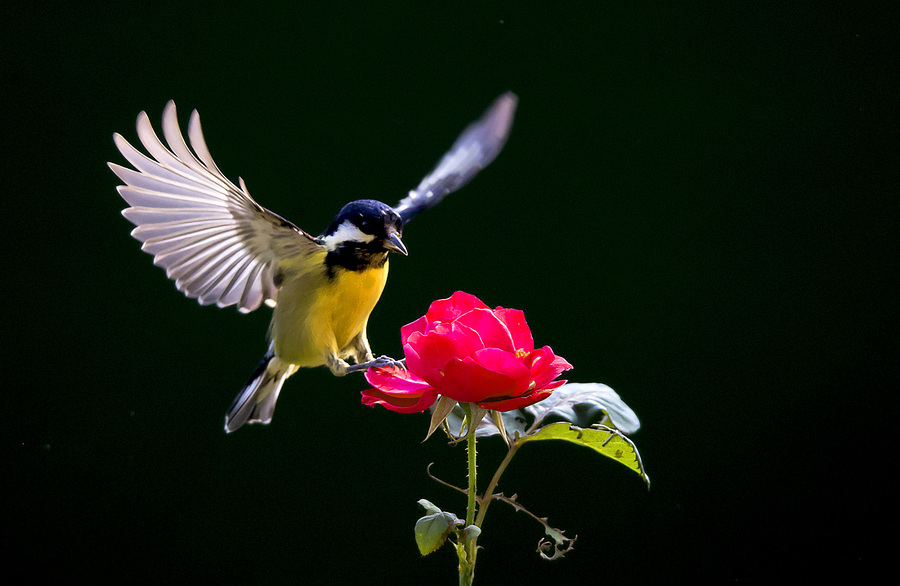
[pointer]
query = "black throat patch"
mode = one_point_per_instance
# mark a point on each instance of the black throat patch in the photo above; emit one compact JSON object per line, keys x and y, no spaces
{"x":355,"y":256}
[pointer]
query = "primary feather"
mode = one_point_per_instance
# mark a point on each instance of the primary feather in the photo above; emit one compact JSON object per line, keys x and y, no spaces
{"x":217,"y":244}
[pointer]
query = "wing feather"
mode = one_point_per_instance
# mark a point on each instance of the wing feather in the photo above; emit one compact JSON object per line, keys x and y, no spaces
{"x":474,"y":149}
{"x":217,"y":244}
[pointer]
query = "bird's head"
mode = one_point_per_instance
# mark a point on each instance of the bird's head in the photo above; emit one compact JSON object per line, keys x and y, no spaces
{"x":365,"y":227}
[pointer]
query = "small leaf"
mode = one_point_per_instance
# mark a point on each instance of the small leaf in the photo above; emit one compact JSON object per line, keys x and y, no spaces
{"x":433,"y":529}
{"x":457,"y":428}
{"x":560,"y":546}
{"x":441,"y":410}
{"x":605,"y":440}
{"x":429,"y":507}
{"x":471,"y":532}
{"x":487,"y":427}
{"x":497,"y":416}
{"x":476,"y":414}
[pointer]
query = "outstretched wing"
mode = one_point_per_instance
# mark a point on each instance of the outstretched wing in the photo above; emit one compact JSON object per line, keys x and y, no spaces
{"x":476,"y":147}
{"x":213,"y":239}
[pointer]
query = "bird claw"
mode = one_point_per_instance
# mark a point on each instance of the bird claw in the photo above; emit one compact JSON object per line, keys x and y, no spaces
{"x":387,"y":361}
{"x":340,"y":368}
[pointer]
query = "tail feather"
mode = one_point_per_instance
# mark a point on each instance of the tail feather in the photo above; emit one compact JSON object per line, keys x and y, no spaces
{"x":256,"y":401}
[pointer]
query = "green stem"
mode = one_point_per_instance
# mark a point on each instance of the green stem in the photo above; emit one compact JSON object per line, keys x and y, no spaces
{"x":466,"y":569}
{"x":489,"y":493}
{"x":470,"y":449}
{"x":469,"y":547}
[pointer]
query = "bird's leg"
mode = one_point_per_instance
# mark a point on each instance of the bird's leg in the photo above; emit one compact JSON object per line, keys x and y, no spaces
{"x":339,"y":367}
{"x":361,"y":352}
{"x":383,"y":361}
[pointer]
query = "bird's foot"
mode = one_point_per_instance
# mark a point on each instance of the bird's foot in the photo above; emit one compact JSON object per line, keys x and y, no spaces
{"x":341,"y":368}
{"x":384,"y":361}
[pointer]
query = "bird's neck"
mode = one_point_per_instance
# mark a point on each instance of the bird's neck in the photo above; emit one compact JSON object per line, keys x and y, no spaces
{"x":354,"y":258}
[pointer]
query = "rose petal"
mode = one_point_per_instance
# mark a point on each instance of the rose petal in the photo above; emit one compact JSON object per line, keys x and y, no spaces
{"x":467,"y":381}
{"x":411,"y":403}
{"x":417,"y":326}
{"x":518,"y":329}
{"x":467,"y":337}
{"x":553,"y":386}
{"x":506,"y":363}
{"x":546,"y":366}
{"x":444,"y":310}
{"x":394,"y":379}
{"x":515,"y":402}
{"x":398,"y":390}
{"x":493,"y":332}
{"x":436,"y":348}
{"x":418,"y":368}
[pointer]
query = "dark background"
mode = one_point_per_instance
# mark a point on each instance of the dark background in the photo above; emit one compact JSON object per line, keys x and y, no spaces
{"x":694,"y":207}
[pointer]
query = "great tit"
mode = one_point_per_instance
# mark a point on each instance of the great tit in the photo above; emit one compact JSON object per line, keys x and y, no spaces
{"x":221,"y":247}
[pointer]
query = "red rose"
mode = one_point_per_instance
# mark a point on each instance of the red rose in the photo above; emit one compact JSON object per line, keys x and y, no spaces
{"x":463,"y":350}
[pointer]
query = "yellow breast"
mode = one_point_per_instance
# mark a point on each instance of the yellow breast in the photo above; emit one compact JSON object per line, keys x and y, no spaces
{"x":318,"y":316}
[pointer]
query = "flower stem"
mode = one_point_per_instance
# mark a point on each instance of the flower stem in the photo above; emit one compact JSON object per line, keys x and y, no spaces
{"x":489,"y":493}
{"x":470,"y":449}
{"x":469,"y":547}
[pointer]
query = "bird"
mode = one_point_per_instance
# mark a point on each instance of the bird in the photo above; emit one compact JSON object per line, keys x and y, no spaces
{"x":221,"y":247}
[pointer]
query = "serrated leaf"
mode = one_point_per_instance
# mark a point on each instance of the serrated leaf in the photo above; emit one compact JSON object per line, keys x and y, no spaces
{"x":433,"y":529}
{"x":559,"y":547}
{"x":605,"y":440}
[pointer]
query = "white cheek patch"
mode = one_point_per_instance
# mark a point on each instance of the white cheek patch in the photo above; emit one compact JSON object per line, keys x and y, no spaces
{"x":347,"y":232}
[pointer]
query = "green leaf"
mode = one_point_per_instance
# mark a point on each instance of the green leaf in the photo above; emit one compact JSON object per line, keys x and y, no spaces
{"x":605,"y":440}
{"x":585,"y":404}
{"x":429,"y":507}
{"x":439,"y":413}
{"x":471,"y":532}
{"x":433,"y":529}
{"x":559,"y":547}
{"x":581,"y":404}
{"x":457,"y":428}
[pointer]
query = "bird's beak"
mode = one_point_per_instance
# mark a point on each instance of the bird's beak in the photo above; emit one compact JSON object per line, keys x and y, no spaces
{"x":393,"y":242}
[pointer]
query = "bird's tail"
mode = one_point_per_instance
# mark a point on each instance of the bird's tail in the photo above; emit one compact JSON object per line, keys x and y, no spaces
{"x":256,"y":401}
